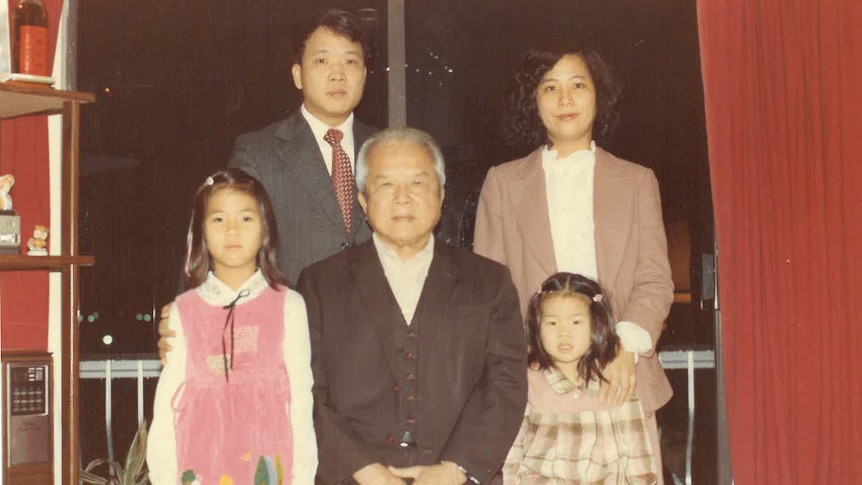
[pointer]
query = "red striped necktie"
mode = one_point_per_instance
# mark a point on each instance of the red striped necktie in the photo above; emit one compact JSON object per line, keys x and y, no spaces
{"x":342,"y":176}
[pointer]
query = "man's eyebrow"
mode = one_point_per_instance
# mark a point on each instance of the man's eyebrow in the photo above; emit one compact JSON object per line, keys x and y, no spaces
{"x":324,"y":50}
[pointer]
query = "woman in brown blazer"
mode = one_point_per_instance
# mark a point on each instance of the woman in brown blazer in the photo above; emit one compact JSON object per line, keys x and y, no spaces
{"x":571,"y":206}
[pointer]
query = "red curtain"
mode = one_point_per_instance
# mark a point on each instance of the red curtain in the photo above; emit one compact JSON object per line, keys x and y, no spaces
{"x":783,"y":90}
{"x":24,"y":154}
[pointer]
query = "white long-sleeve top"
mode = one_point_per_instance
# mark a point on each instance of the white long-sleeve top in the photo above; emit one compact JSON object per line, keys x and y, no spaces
{"x":569,"y":184}
{"x":161,"y":442}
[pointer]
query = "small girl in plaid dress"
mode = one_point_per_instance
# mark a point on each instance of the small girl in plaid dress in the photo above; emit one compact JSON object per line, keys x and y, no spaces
{"x":568,"y":436}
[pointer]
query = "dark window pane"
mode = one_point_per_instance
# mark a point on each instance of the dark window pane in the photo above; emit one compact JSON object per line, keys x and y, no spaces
{"x":176,"y":83}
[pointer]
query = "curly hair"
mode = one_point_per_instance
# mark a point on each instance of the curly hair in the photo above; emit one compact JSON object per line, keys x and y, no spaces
{"x":522,"y":122}
{"x":198,"y":259}
{"x":603,"y":339}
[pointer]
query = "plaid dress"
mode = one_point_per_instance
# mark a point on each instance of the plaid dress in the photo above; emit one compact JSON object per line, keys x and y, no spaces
{"x":569,"y":437}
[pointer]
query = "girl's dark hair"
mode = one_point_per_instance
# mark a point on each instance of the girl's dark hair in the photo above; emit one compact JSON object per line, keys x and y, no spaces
{"x":198,"y":261}
{"x":522,"y":123}
{"x":603,"y":339}
{"x":338,"y":21}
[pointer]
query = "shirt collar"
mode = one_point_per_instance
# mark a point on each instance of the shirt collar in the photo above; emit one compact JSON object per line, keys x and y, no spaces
{"x":320,"y":128}
{"x":562,"y":385}
{"x":385,"y":252}
{"x":558,"y":381}
{"x":549,"y":155}
{"x":215,"y":292}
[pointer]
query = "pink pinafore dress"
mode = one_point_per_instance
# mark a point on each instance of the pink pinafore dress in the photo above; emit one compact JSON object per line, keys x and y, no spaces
{"x":224,"y":426}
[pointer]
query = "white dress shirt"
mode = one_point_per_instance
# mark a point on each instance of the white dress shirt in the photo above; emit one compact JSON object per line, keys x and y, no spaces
{"x":319,"y":129}
{"x":406,"y":277}
{"x":569,"y":186}
{"x":296,"y":348}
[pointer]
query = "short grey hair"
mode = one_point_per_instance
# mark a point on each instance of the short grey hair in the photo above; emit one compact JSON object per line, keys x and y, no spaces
{"x":392,"y":136}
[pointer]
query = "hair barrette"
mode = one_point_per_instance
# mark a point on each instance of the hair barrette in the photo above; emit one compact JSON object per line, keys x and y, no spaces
{"x":598,"y":298}
{"x":210,"y":181}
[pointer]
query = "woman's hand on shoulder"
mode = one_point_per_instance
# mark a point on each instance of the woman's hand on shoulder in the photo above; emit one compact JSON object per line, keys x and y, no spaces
{"x":621,"y":379}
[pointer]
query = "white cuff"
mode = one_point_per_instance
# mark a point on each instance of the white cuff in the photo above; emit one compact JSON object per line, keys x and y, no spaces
{"x":633,"y":338}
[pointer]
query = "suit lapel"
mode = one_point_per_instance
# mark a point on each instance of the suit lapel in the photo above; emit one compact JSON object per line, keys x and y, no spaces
{"x":435,"y":298}
{"x":301,"y":156}
{"x":381,"y":307}
{"x":612,"y":215}
{"x":530,"y":202}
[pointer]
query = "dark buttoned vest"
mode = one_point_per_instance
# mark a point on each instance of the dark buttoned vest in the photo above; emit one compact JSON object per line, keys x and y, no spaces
{"x":407,"y":341}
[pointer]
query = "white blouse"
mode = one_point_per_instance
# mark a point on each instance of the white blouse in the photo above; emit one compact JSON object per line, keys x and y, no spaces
{"x":569,"y":184}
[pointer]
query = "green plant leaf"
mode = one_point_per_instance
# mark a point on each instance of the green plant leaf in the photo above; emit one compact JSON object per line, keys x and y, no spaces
{"x":91,"y":478}
{"x":95,"y":463}
{"x":133,"y":473}
{"x":98,"y":462}
{"x":136,"y":456}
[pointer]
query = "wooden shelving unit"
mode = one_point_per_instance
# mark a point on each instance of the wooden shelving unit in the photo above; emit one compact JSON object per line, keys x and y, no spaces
{"x":17,"y":100}
{"x":49,"y":263}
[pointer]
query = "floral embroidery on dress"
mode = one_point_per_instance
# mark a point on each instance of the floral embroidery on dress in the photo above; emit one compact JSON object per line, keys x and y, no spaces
{"x":269,"y":471}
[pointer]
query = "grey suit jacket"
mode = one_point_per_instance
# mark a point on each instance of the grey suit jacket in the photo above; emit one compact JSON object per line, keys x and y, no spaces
{"x":285,"y":157}
{"x":471,"y":380}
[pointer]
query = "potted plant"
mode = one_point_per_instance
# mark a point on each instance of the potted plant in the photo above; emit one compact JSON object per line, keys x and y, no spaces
{"x":132,"y":472}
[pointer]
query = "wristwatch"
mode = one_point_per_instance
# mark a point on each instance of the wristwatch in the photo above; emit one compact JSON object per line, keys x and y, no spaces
{"x":470,"y":478}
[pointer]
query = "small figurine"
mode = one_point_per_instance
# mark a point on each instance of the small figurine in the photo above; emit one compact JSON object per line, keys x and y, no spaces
{"x":38,"y":244}
{"x":6,"y":183}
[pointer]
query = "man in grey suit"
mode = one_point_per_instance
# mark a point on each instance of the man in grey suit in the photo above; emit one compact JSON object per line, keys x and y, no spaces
{"x":291,"y":157}
{"x":294,"y":161}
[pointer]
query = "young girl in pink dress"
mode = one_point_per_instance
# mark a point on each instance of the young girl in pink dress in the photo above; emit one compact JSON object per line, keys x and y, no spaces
{"x":568,"y":436}
{"x":233,"y":404}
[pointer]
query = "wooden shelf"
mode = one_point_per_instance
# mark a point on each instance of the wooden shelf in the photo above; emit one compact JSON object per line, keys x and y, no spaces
{"x":49,"y":263}
{"x":24,"y":99}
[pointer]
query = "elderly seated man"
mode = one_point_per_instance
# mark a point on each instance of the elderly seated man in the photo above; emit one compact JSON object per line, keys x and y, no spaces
{"x":418,"y":351}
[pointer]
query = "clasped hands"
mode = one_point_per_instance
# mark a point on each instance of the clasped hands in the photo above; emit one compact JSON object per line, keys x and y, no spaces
{"x":445,"y":473}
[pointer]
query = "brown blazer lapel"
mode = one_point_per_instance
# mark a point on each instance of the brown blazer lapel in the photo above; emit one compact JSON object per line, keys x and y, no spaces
{"x":612,"y":215}
{"x":381,"y":308}
{"x":530,"y":202}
